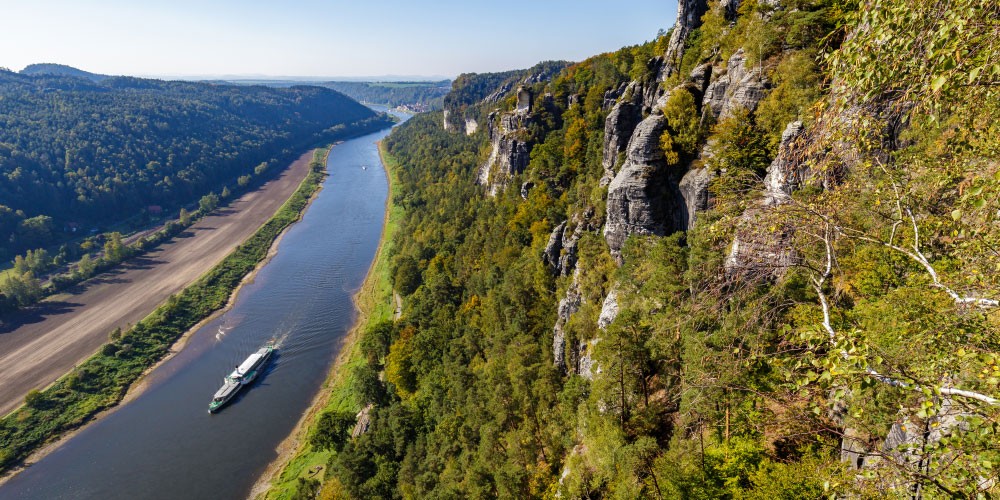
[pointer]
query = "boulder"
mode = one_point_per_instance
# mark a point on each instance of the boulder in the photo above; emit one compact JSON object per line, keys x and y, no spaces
{"x":694,"y":190}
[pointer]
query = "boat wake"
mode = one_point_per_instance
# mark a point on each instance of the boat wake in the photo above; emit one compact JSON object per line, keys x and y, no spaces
{"x":280,"y":338}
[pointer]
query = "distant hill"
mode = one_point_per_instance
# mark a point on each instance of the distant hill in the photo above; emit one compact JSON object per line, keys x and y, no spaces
{"x":416,"y":95}
{"x":74,"y":151}
{"x":61,"y":70}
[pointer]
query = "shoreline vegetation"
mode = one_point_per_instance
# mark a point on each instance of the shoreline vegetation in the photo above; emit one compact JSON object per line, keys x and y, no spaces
{"x":103,"y":380}
{"x":299,"y":465}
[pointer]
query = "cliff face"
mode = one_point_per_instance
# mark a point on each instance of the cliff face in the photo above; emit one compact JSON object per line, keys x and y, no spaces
{"x":509,"y":154}
{"x":689,"y":14}
{"x":737,"y":87}
{"x":643,"y":197}
{"x":473,"y":96}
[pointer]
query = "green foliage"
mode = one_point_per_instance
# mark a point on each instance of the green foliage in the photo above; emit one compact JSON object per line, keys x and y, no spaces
{"x":332,"y":430}
{"x":407,"y":276}
{"x":208,"y":203}
{"x":741,"y":155}
{"x":34,"y":399}
{"x":796,"y":90}
{"x":683,"y":122}
{"x":766,"y":29}
{"x":425,"y":95}
{"x":929,"y":54}
{"x":708,"y":384}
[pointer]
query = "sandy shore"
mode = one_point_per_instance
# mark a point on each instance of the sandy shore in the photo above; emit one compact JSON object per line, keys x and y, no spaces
{"x":298,"y":170}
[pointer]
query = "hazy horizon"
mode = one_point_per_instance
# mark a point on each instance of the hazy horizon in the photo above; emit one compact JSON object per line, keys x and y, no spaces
{"x":314,"y":40}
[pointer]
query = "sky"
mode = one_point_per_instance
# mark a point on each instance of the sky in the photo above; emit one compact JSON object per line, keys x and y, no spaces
{"x":315,"y":38}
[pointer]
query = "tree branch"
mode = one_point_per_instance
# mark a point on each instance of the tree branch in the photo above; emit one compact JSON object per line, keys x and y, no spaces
{"x":871,"y":372}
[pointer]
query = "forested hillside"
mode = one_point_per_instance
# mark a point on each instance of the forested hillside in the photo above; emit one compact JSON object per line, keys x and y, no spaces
{"x":753,"y":258}
{"x":75,"y":153}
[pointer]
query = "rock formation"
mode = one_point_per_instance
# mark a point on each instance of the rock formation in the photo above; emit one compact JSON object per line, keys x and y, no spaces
{"x":785,"y":173}
{"x":509,"y":155}
{"x":618,"y":128}
{"x":567,"y":307}
{"x":689,"y":14}
{"x":738,"y":88}
{"x":694,"y":191}
{"x":643,"y":198}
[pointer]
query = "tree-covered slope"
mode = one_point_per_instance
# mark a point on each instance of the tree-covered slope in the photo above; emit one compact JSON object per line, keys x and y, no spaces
{"x":754,"y":258}
{"x":83,"y":152}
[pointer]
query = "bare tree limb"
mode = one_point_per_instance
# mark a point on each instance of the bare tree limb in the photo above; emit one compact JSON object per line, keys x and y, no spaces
{"x":824,"y":301}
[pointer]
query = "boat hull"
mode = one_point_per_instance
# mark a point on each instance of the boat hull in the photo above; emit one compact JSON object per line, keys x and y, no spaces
{"x":244,"y":375}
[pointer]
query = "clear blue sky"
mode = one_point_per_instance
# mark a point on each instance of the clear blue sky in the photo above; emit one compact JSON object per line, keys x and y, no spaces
{"x":319,"y":38}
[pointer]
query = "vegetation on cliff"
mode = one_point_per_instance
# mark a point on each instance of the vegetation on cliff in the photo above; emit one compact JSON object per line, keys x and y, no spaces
{"x":826,"y":326}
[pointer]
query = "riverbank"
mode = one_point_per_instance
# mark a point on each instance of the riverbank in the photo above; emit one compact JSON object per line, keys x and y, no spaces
{"x":374,"y":303}
{"x":102,"y":381}
{"x":43,"y":344}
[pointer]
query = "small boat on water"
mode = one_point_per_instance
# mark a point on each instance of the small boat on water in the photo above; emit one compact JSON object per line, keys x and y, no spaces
{"x":243,"y":375}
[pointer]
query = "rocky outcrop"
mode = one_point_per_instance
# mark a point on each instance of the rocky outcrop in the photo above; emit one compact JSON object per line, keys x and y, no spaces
{"x":701,"y":76}
{"x":588,"y":367}
{"x":560,"y":252}
{"x":568,"y":306}
{"x":553,"y":249}
{"x":618,"y":127}
{"x":611,"y":95}
{"x":526,"y":188}
{"x":363,"y":421}
{"x":446,"y":122}
{"x":729,"y":8}
{"x":689,"y":13}
{"x":763,"y":243}
{"x":785,"y":174}
{"x":609,"y":310}
{"x":643,"y":198}
{"x":509,"y":155}
{"x":739,"y":88}
{"x":694,"y":190}
{"x":524,"y":99}
{"x":762,"y":247}
{"x":471,"y":126}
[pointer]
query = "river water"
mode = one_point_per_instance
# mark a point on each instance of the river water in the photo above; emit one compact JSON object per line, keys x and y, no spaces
{"x":164,"y":444}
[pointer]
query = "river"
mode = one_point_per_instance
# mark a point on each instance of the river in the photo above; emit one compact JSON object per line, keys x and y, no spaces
{"x":164,"y":443}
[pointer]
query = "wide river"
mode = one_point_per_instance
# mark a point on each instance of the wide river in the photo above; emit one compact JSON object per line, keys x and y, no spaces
{"x":164,"y":444}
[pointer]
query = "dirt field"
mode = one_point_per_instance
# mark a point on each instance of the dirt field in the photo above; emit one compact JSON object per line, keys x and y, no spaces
{"x":39,"y":346}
